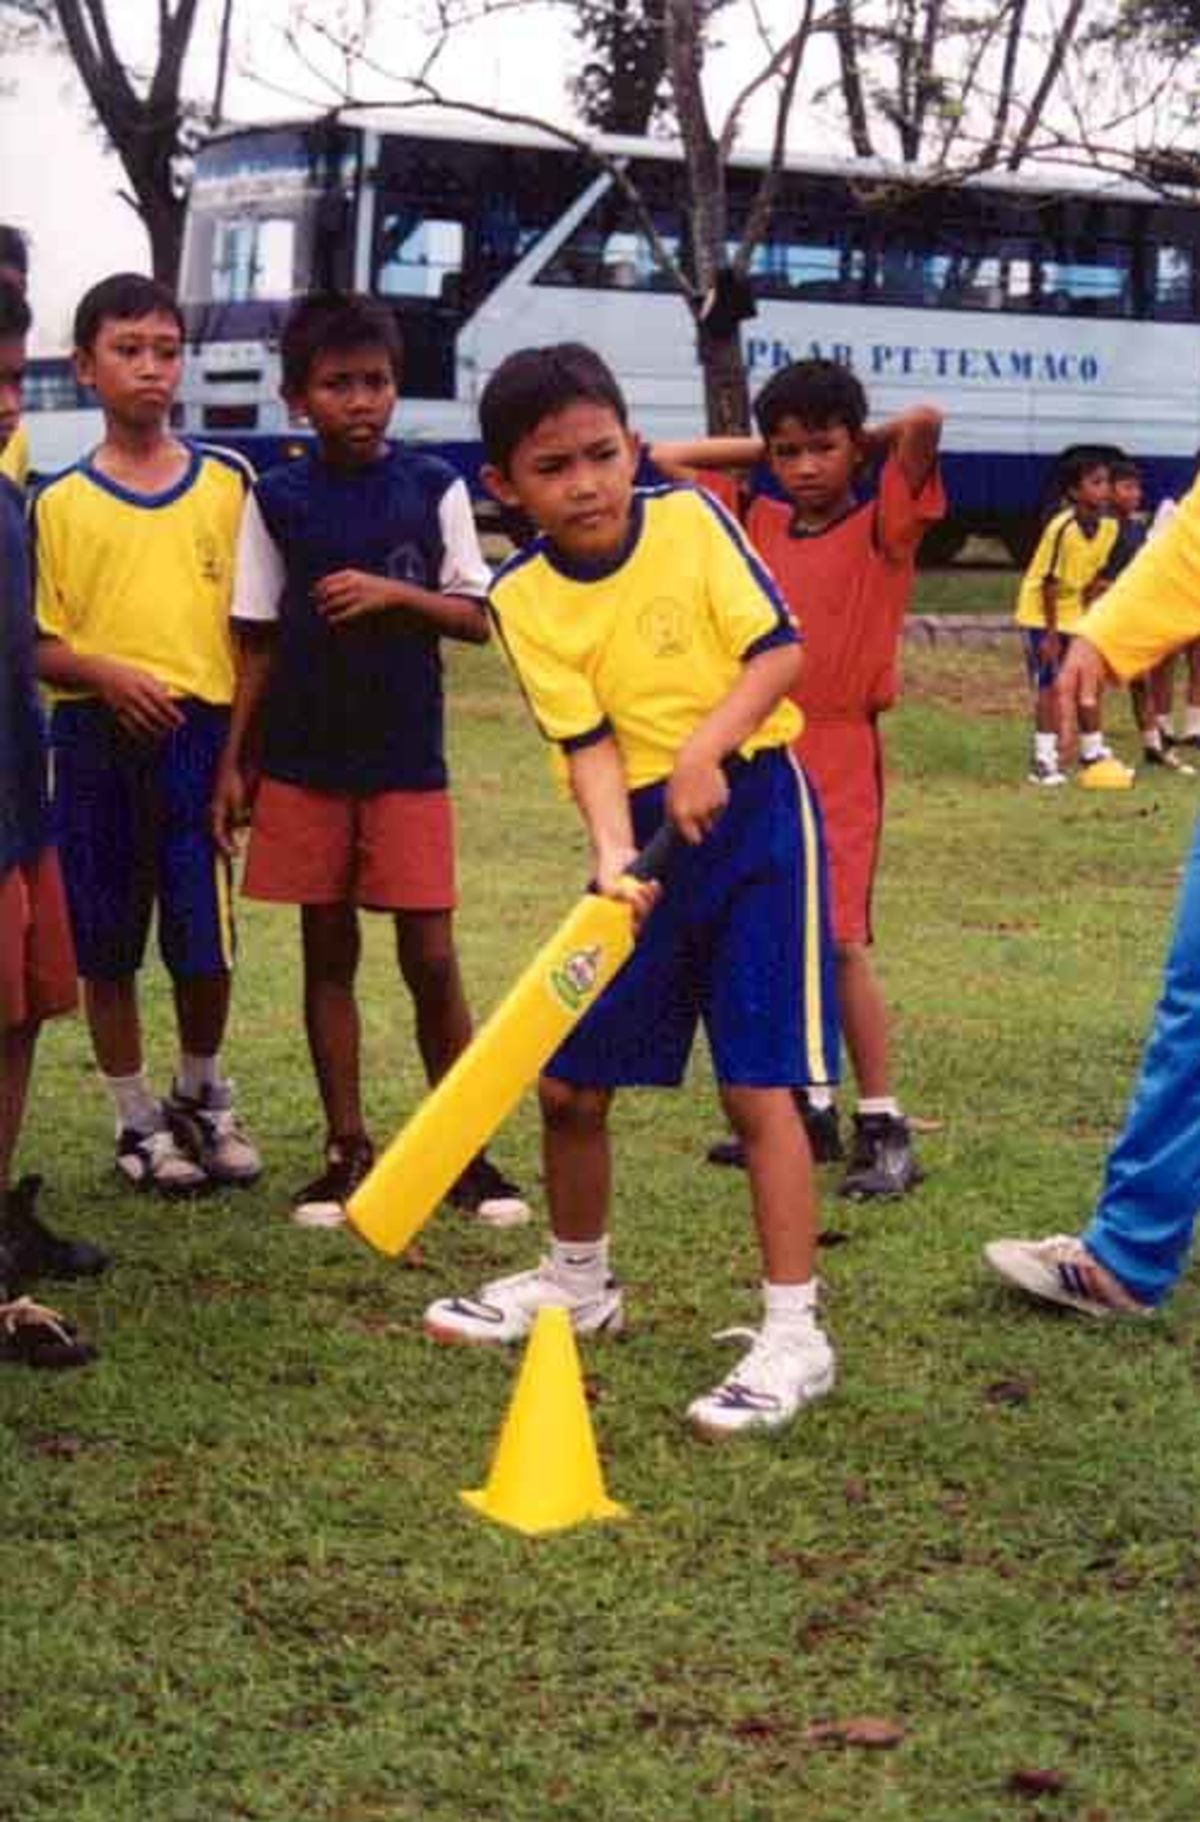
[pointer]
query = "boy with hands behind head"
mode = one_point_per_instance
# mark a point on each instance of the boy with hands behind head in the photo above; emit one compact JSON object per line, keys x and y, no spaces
{"x":846,"y":567}
{"x":657,"y":654}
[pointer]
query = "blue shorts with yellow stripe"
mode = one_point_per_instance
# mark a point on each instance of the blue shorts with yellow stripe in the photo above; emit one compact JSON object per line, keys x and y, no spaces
{"x":739,"y":940}
{"x":131,"y":817}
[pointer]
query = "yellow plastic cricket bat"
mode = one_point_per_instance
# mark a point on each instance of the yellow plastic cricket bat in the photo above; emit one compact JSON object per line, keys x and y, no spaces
{"x":459,"y":1116}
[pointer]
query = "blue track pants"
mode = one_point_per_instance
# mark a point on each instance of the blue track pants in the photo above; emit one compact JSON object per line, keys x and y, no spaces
{"x":1143,"y":1224}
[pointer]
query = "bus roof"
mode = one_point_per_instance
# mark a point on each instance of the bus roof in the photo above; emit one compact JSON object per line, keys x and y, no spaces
{"x":427,"y":122}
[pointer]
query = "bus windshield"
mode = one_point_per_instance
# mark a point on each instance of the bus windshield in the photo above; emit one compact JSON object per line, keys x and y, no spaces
{"x":267,"y":218}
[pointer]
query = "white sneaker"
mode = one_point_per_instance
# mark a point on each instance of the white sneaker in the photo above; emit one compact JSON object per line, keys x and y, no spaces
{"x":1046,"y":772}
{"x":781,"y":1373}
{"x":153,"y":1161}
{"x":504,"y":1310}
{"x":1061,"y":1270}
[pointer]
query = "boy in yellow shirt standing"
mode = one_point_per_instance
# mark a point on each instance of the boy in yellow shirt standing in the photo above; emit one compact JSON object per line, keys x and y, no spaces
{"x":135,"y":549}
{"x":1059,"y":583}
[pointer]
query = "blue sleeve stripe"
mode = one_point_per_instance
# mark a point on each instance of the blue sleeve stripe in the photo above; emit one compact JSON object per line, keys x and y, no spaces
{"x":229,"y":458}
{"x":577,"y":742}
{"x":779,"y":635}
{"x":494,"y":615}
{"x":758,"y":569}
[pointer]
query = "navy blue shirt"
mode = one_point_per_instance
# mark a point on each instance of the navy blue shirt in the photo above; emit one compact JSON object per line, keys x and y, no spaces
{"x":24,"y":810}
{"x":356,"y":708}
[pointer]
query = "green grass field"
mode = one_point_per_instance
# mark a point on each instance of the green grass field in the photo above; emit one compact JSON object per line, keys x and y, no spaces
{"x":237,"y":1578}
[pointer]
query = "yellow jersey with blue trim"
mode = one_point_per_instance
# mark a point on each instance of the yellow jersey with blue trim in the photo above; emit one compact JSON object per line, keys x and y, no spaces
{"x":643,"y":644}
{"x":14,"y":457}
{"x":145,"y":578}
{"x":1153,"y":608}
{"x":1071,"y":553}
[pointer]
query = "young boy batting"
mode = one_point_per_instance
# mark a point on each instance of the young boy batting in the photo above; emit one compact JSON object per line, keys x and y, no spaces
{"x":657,"y":655}
{"x":846,"y":567}
{"x":135,"y":549}
{"x":355,"y":562}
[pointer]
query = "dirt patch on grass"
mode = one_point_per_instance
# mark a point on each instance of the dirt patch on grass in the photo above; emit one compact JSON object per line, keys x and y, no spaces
{"x":967,"y":682}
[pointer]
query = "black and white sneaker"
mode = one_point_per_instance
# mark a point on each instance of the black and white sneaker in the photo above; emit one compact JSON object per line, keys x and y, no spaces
{"x":32,"y":1251}
{"x":154,"y":1162}
{"x":488,"y":1196}
{"x":322,"y":1203}
{"x":882,"y":1165}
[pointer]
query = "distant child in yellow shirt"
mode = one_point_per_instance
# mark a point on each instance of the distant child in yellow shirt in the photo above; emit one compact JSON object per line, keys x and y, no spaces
{"x":1054,"y":595}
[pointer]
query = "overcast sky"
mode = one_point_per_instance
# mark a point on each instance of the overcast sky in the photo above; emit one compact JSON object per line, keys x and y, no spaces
{"x":60,"y":184}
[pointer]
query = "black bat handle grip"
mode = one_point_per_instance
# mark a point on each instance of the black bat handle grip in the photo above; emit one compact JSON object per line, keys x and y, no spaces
{"x":656,"y":856}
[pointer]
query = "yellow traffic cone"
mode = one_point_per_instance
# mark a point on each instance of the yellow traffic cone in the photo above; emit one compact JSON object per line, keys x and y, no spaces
{"x":545,"y":1473}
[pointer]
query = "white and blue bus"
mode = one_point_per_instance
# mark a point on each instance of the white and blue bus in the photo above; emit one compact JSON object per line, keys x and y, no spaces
{"x":1038,"y":313}
{"x":60,"y":416}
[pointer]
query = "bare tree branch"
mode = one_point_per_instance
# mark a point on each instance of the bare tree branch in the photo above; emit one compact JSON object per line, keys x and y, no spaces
{"x":763,"y":204}
{"x":1054,"y":62}
{"x":851,"y":77}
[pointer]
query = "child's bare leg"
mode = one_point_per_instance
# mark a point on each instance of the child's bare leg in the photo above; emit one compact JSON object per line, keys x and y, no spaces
{"x":202,"y":1012}
{"x":1045,"y":712}
{"x":115,"y":1024}
{"x":779,"y":1164}
{"x":332,"y":946}
{"x":577,"y":1158}
{"x":864,"y":1018}
{"x":17,"y":1044}
{"x":429,"y":964}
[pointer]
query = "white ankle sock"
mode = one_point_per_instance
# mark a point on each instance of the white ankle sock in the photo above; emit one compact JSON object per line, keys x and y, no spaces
{"x":195,"y":1074}
{"x":582,"y":1264}
{"x":1152,"y":740}
{"x":880,"y":1103}
{"x":1091,"y":745}
{"x":819,"y":1098}
{"x":134,"y":1103}
{"x":788,"y":1307}
{"x":1045,"y":749}
{"x":1191,"y":722}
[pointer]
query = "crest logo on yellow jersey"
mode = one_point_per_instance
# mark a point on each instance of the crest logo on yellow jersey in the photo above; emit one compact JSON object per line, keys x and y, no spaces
{"x":663,"y":626}
{"x":209,"y":557}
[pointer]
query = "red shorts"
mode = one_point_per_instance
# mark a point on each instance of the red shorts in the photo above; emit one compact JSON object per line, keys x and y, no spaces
{"x":391,"y":851}
{"x":37,"y":959}
{"x":844,"y":762}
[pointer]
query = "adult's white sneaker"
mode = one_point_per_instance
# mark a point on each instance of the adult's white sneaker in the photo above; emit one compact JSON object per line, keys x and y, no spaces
{"x":1060,"y":1269}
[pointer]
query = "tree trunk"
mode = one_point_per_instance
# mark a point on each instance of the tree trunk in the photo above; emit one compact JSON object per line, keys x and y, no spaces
{"x":726,"y":391}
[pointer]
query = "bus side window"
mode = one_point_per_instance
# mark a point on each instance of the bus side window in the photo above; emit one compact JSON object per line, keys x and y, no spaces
{"x":417,"y":255}
{"x":1172,"y":276}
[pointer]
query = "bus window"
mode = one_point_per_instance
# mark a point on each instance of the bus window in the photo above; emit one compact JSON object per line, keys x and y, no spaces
{"x":1170,"y":298}
{"x":1089,"y":281}
{"x":252,"y":257}
{"x":418,"y":256}
{"x":800,"y":262}
{"x":610,"y":251}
